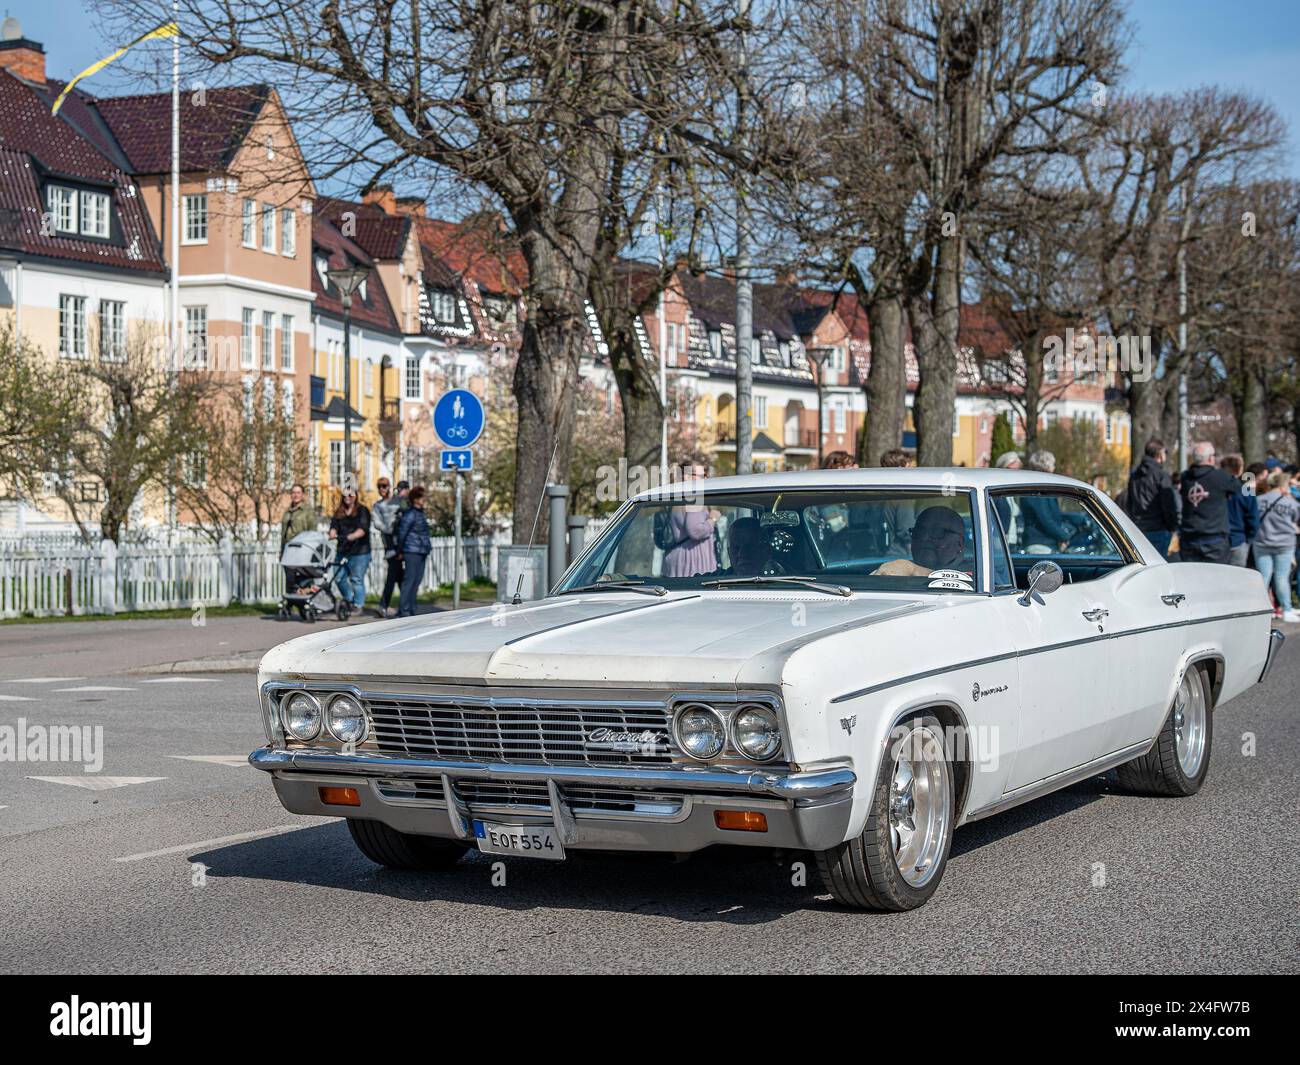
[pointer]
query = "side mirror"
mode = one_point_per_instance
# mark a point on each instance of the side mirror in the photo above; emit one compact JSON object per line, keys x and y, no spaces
{"x":1044,"y":578}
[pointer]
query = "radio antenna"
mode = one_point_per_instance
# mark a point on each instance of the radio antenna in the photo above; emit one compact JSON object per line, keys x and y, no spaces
{"x":516,"y":599}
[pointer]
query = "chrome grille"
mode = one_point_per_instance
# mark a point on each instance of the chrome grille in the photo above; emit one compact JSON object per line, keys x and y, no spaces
{"x":441,"y":728}
{"x":527,"y":796}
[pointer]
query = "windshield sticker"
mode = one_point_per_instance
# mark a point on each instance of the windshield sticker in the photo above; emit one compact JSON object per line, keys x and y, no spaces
{"x":949,"y":575}
{"x":962,"y":586}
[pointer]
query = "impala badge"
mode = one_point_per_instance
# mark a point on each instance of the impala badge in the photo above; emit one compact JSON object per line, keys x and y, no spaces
{"x":976,"y":692}
{"x":848,"y":723}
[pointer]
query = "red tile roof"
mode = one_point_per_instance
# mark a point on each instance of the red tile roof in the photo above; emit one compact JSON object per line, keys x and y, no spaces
{"x":477,"y":251}
{"x":382,"y":235}
{"x":212,"y":127}
{"x":328,"y":243}
{"x":33,"y":140}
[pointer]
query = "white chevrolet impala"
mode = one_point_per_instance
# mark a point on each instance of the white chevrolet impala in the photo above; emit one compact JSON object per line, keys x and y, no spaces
{"x":852,"y":663}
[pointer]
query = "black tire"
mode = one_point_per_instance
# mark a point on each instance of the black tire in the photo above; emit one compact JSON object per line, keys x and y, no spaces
{"x":282,"y":613}
{"x":311,"y":615}
{"x":1159,"y":771}
{"x":343,"y":611}
{"x":400,"y":850}
{"x":862,"y":872}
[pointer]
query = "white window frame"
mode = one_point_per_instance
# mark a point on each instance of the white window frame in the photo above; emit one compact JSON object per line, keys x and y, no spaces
{"x":268,"y":228}
{"x":760,"y":410}
{"x":414,"y":375}
{"x":268,"y":340}
{"x":96,"y":214}
{"x":194,"y":213}
{"x":62,"y":204}
{"x":286,"y":343}
{"x":196,"y":328}
{"x":248,"y":223}
{"x":72,"y":327}
{"x":247,"y":329}
{"x":112,"y":330}
{"x":336,"y":462}
{"x":288,"y":232}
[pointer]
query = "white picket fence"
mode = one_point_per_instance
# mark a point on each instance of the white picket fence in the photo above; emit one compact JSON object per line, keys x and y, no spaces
{"x":61,"y":578}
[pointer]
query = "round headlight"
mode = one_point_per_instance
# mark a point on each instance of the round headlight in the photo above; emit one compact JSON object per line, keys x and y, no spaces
{"x":346,"y":720}
{"x":756,"y":732}
{"x":701,"y":732}
{"x":302,"y":716}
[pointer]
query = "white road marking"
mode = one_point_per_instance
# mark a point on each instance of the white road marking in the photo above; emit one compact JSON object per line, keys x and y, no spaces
{"x":205,"y":844}
{"x":182,"y":680}
{"x":94,"y":782}
{"x":16,"y":699}
{"x":43,"y":680}
{"x":215,"y":759}
{"x":95,"y":688}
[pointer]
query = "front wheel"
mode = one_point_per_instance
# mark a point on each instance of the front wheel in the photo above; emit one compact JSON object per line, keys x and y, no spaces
{"x":1179,"y":759}
{"x":897,"y":861}
{"x":402,"y":850}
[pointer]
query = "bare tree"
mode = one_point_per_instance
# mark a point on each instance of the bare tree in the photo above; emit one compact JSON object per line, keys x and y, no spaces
{"x":36,"y":397}
{"x":521,"y":100}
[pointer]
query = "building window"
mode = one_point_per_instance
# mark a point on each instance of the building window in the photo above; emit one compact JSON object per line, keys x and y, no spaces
{"x":336,"y":462}
{"x":112,"y":330}
{"x":246,"y":327}
{"x":1110,"y":429}
{"x":286,"y":401}
{"x":839,"y":416}
{"x":715,"y":343}
{"x":62,"y":202}
{"x":368,"y":377}
{"x":286,"y":342}
{"x":783,"y":348}
{"x":94,"y":214}
{"x":268,"y":340}
{"x":196,"y":336}
{"x":837,"y":360}
{"x":413,"y":379}
{"x":72,"y":327}
{"x":268,"y":227}
{"x":195,"y":210}
{"x":248,"y":224}
{"x":760,"y":410}
{"x":288,"y":232}
{"x":956,"y":423}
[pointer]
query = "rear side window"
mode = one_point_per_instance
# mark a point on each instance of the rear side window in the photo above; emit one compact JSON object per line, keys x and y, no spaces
{"x":1060,"y":526}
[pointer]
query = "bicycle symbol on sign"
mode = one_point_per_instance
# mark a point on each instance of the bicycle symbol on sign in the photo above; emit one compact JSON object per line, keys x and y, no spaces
{"x":456,"y":432}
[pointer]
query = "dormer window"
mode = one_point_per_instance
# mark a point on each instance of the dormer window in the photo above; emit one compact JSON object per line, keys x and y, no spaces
{"x":79,"y":211}
{"x":443,"y":304}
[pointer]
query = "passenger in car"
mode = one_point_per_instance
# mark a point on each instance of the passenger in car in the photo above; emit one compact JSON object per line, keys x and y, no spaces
{"x":937,"y":543}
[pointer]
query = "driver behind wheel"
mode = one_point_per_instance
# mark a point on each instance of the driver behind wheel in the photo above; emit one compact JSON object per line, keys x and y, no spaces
{"x":749,"y":548}
{"x":937,"y":543}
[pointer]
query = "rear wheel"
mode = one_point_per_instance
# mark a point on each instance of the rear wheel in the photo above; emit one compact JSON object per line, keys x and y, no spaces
{"x":1179,"y":759}
{"x":899,"y":858}
{"x":401,"y":850}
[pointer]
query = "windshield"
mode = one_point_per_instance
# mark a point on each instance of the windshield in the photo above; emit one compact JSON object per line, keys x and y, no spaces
{"x":862,"y":539}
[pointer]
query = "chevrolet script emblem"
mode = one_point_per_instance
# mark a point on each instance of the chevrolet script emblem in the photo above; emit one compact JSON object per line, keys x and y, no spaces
{"x":608,"y":739}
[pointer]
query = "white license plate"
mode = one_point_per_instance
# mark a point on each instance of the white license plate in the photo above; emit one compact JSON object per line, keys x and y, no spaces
{"x":526,"y":841}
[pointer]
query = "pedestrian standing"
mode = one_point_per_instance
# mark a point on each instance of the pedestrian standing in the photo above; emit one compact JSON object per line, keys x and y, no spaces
{"x":350,"y":526}
{"x":412,"y":536}
{"x":1150,"y":499}
{"x":1205,"y":490}
{"x":1243,"y":511}
{"x":1275,"y":543}
{"x":386,"y":512}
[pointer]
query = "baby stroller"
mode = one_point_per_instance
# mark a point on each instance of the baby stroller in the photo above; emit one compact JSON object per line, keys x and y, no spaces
{"x":310,"y":570}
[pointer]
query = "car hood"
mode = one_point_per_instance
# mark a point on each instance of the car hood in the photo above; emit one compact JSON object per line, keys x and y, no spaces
{"x":599,"y":639}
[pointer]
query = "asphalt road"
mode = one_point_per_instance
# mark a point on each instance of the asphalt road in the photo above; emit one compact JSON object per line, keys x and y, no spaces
{"x":189,"y":864}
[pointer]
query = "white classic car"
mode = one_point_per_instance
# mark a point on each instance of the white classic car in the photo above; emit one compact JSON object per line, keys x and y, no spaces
{"x":851,"y":663}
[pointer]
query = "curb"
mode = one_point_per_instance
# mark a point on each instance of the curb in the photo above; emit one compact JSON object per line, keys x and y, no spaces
{"x":225,"y":664}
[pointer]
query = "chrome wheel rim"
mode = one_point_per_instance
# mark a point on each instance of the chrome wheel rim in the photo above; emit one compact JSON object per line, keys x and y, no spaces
{"x":918,"y":806}
{"x":1189,"y":723}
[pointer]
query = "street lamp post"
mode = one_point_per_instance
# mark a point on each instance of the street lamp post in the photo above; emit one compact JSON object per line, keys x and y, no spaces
{"x":347,"y":279}
{"x":818,"y":357}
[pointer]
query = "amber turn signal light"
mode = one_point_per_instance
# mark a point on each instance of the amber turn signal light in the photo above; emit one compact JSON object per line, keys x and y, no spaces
{"x":740,"y":820}
{"x":340,"y":797}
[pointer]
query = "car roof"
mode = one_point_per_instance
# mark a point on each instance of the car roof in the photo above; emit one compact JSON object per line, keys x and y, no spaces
{"x":950,"y":477}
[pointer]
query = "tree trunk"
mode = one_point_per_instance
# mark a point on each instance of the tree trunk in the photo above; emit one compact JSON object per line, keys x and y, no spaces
{"x":935,"y":317}
{"x":1146,"y":402}
{"x":1252,"y":417}
{"x":886,"y":386}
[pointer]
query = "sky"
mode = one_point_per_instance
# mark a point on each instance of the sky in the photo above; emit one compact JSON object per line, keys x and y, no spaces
{"x":1251,"y":45}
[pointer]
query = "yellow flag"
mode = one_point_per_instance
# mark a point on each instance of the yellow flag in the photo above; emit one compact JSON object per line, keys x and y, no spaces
{"x":167,"y":29}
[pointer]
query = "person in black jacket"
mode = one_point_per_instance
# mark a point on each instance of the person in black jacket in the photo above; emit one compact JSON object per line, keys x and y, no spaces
{"x":1205,"y":489}
{"x":1150,"y":499}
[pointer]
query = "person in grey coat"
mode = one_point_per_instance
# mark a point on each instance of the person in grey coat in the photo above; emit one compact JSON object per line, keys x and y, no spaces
{"x":1275,"y":543}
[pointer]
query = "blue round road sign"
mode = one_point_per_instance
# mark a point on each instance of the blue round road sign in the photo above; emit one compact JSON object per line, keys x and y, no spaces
{"x":458,"y":418}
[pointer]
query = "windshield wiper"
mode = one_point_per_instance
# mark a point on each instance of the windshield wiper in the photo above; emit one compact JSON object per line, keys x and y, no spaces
{"x":802,"y":582}
{"x":619,"y":586}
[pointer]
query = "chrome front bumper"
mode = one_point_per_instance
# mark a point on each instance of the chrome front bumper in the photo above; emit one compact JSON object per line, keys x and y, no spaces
{"x":805,"y":810}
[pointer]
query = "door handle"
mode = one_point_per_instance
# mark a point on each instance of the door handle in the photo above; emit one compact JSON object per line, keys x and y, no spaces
{"x":1173,"y":600}
{"x":1097,"y":614}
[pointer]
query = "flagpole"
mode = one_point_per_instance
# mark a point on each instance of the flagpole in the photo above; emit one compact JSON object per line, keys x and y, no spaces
{"x":175,"y":309}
